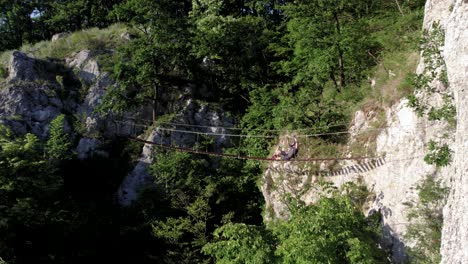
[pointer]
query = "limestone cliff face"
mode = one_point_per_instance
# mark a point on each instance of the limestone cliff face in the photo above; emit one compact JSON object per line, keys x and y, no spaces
{"x":455,"y":230}
{"x":404,"y":144}
{"x":31,"y":96}
{"x":210,"y":120}
{"x":37,"y":91}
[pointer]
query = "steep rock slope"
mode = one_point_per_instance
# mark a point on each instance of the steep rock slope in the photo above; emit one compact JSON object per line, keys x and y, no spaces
{"x":36,"y":91}
{"x":404,"y":144}
{"x":455,"y":230}
{"x":32,"y":96}
{"x":208,"y":120}
{"x":393,"y":182}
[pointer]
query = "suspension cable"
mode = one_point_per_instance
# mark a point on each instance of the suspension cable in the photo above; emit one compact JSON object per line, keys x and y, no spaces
{"x":247,"y":135}
{"x":243,"y":157}
{"x":257,"y":129}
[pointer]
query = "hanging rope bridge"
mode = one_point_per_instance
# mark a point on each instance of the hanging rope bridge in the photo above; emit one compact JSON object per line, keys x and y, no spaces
{"x":243,"y":157}
{"x":365,"y":163}
{"x":253,"y":129}
{"x":134,"y":125}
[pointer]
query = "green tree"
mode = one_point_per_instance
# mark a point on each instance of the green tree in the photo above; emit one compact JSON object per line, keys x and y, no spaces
{"x":327,"y":41}
{"x":155,"y":58}
{"x":73,"y":15}
{"x":331,"y":231}
{"x":26,"y":21}
{"x":197,"y":197}
{"x":241,"y":243}
{"x":230,"y":41}
{"x":16,"y":25}
{"x":28,"y":191}
{"x":58,"y":147}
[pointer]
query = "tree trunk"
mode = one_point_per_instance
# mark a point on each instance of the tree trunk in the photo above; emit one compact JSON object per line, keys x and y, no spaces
{"x":340,"y":52}
{"x":155,"y":97}
{"x":332,"y":76}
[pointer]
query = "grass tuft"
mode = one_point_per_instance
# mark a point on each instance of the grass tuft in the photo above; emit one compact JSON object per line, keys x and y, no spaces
{"x":92,"y":39}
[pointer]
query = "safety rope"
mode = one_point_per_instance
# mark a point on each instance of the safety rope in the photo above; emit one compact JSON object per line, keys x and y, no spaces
{"x":243,"y":157}
{"x":260,"y":129}
{"x":371,"y":162}
{"x":247,"y":135}
{"x":230,"y":128}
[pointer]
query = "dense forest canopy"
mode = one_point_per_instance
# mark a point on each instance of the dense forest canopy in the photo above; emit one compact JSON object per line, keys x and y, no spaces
{"x":273,"y":64}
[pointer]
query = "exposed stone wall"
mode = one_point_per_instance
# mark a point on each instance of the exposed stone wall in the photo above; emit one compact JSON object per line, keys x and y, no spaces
{"x":212,"y":121}
{"x":32,"y":97}
{"x":455,"y":230}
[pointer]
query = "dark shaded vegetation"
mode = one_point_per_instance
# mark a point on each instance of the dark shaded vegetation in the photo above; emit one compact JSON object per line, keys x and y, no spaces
{"x":23,"y":22}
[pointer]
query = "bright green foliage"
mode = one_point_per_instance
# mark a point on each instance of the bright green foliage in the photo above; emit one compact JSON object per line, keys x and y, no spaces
{"x":440,"y":155}
{"x":58,"y":147}
{"x":331,"y":231}
{"x":196,"y":198}
{"x":16,"y":23}
{"x":241,"y":243}
{"x":3,"y":72}
{"x":328,"y":41}
{"x":446,"y":112}
{"x":230,"y":43}
{"x":178,"y":173}
{"x":434,"y":69}
{"x":414,"y":103}
{"x":158,"y":53}
{"x":19,"y":155}
{"x":426,"y":222}
{"x":69,"y":15}
{"x":25,"y":21}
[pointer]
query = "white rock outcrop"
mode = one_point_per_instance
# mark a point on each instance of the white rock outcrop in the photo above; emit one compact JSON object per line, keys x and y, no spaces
{"x":86,"y":65}
{"x":140,"y":177}
{"x":31,"y":97}
{"x":205,"y":118}
{"x":454,"y":247}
